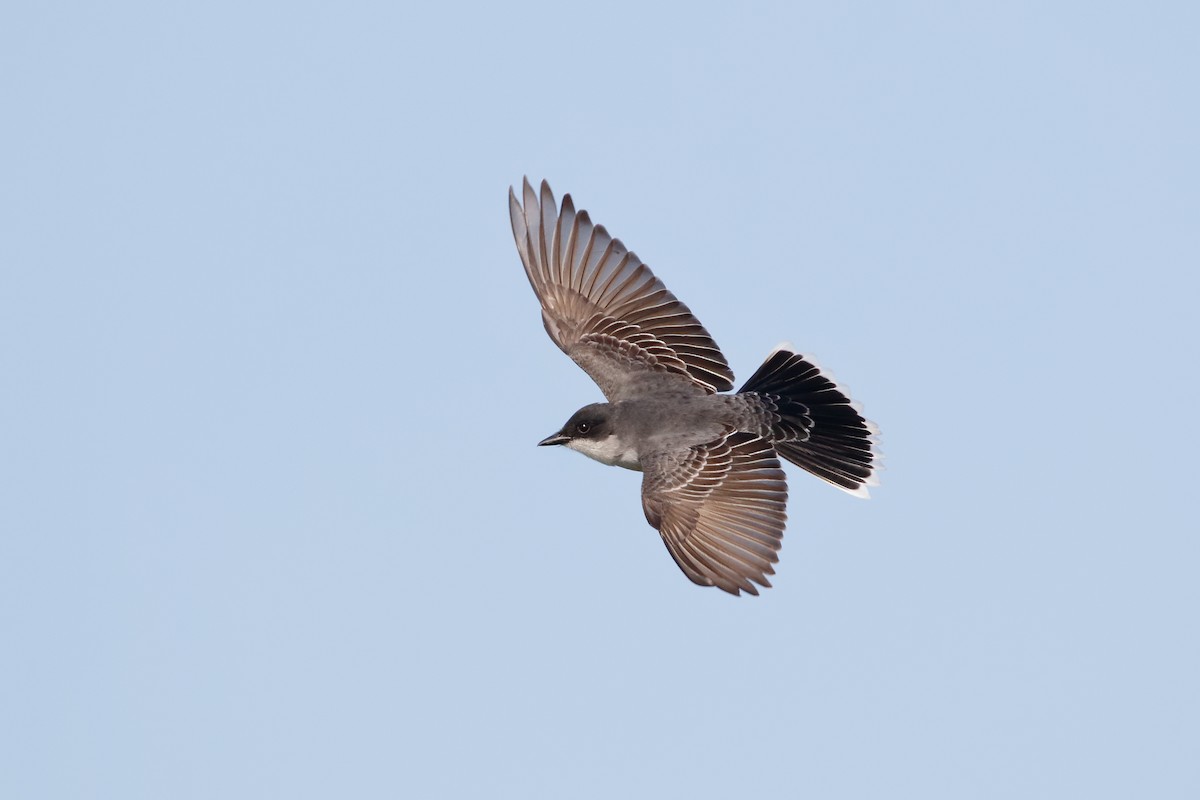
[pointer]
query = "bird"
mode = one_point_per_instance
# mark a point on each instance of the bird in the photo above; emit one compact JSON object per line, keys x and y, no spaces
{"x":712,"y":482}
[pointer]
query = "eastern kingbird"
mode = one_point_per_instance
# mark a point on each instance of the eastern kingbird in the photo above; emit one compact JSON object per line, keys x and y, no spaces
{"x":711,"y":480}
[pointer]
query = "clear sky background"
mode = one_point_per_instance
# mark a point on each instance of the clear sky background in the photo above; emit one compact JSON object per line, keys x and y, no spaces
{"x":272,"y":521}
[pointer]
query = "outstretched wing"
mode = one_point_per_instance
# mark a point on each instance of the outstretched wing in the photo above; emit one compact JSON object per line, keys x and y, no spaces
{"x":605,"y":309}
{"x":720,"y":508}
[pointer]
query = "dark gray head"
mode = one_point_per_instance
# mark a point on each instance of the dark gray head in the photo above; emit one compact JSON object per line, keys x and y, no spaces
{"x":592,"y":422}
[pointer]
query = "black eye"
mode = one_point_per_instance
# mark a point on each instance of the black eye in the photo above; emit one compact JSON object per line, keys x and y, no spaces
{"x":583,"y":427}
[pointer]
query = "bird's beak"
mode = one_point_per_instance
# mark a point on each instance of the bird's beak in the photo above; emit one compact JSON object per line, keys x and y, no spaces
{"x":556,"y":438}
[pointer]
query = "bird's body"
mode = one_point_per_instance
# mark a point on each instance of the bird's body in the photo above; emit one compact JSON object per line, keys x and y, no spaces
{"x":712,"y":483}
{"x":666,"y":422}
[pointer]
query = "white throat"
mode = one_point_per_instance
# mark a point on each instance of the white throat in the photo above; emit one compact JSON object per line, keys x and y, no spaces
{"x":609,"y":450}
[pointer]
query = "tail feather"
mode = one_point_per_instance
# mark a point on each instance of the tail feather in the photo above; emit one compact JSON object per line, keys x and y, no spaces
{"x":816,"y":424}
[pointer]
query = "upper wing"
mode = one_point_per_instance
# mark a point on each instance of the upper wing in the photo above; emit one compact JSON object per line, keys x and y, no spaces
{"x":720,"y":508}
{"x":605,"y":308}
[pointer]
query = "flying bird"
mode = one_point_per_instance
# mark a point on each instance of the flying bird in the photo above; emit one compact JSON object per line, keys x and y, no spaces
{"x":712,"y":484}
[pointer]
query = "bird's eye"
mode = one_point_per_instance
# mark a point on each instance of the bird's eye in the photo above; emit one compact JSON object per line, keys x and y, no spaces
{"x":583,"y":427}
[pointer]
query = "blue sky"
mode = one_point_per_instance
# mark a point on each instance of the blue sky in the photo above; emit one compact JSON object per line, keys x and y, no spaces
{"x":273,"y":524}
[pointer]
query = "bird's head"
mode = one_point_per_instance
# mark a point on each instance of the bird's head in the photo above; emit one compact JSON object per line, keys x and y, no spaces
{"x":592,"y":431}
{"x":590,"y":424}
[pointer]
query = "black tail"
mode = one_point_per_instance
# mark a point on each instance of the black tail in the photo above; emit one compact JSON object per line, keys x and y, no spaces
{"x":817,"y":426}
